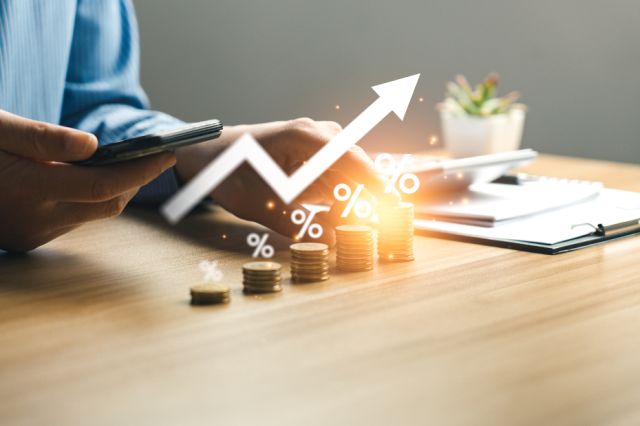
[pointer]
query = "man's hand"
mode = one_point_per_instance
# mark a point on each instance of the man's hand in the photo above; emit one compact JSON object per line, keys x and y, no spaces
{"x":42,"y":198}
{"x":290,"y":143}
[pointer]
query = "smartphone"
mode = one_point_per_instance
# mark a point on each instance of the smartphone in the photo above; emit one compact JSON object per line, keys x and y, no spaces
{"x":154,"y":143}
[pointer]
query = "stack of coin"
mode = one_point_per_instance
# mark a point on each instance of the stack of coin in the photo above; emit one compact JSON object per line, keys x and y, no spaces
{"x":261,"y":277}
{"x":395,"y":233}
{"x":209,"y":294}
{"x":309,"y":262}
{"x":355,"y":248}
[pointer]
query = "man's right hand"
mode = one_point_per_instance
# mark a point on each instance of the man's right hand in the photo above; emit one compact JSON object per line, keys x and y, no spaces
{"x":42,"y":198}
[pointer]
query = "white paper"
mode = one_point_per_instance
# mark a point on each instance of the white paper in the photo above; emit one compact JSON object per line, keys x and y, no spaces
{"x":609,"y":207}
{"x":492,"y":202}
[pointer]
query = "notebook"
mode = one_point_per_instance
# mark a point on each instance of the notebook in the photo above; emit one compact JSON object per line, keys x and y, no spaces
{"x":610,"y":214}
{"x":489,"y":204}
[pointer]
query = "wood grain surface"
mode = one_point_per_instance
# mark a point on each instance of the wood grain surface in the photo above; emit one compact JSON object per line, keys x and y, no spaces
{"x":96,"y":328}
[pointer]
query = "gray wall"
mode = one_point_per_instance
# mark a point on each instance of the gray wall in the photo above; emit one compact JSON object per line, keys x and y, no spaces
{"x":576,"y":63}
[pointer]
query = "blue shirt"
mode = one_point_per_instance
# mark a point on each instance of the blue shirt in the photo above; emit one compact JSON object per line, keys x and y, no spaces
{"x":76,"y":63}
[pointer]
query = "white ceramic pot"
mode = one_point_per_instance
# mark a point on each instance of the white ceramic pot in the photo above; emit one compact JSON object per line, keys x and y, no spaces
{"x":467,"y":136}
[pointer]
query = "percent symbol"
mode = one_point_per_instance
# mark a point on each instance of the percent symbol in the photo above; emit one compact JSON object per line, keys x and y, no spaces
{"x":300,"y":217}
{"x":408,"y":183}
{"x":259,"y":243}
{"x":211,"y":271}
{"x":362,"y":208}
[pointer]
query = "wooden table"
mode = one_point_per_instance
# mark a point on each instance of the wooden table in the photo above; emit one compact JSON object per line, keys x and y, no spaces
{"x":96,"y":328}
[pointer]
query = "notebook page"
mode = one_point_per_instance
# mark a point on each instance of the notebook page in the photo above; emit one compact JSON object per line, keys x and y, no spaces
{"x":494,"y":202}
{"x":611,"y":206}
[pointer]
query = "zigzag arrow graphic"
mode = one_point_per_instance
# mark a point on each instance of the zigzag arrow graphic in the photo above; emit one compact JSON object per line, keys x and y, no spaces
{"x":393,"y":96}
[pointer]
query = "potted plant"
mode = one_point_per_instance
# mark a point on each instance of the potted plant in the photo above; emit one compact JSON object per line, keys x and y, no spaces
{"x":476,"y":122}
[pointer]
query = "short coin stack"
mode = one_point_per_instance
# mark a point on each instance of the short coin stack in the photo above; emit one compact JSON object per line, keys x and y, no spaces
{"x":355,"y":248}
{"x":395,"y":234}
{"x":209,"y":294}
{"x":309,"y":262}
{"x":261,"y":277}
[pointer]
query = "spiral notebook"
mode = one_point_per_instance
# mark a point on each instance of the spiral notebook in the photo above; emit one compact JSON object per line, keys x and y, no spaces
{"x":584,"y":214}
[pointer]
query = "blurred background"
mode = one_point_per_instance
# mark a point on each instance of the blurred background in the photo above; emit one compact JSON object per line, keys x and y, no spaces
{"x":575,"y":62}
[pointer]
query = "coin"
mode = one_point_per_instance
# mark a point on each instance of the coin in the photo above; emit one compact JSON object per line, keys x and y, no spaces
{"x":309,"y":247}
{"x":247,"y":289}
{"x":261,"y":266}
{"x":309,"y":262}
{"x":261,"y":277}
{"x":209,"y":294}
{"x":395,"y":233}
{"x":354,"y":248}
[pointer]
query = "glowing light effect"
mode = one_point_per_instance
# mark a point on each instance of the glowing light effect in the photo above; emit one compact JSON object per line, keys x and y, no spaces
{"x":337,"y":107}
{"x":408,"y":183}
{"x":224,"y":236}
{"x":420,"y":99}
{"x":433,"y":140}
{"x":270,"y":205}
{"x":259,"y":243}
{"x":393,"y":96}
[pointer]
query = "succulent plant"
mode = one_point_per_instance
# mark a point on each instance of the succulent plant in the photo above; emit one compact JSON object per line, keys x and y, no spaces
{"x":482,"y":101}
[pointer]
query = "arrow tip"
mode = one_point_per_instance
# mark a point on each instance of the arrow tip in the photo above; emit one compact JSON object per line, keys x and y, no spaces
{"x":397,"y":93}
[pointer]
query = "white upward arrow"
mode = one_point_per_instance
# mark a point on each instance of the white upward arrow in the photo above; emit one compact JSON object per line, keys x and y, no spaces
{"x":393,"y":96}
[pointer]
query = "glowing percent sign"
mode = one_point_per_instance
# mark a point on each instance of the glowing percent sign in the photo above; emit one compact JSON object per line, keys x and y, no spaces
{"x":259,"y":243}
{"x":362,"y":208}
{"x":393,"y":96}
{"x":211,"y":271}
{"x":300,"y":217}
{"x":386,"y":163}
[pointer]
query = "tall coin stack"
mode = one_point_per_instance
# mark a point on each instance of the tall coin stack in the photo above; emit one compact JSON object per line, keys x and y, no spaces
{"x":395,"y":234}
{"x":355,"y":248}
{"x":261,"y":277}
{"x":309,"y":262}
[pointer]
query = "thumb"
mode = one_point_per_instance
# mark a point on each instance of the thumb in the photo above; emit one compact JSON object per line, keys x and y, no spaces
{"x":42,"y":141}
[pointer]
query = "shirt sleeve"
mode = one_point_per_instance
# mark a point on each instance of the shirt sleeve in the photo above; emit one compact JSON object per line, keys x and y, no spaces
{"x":102,"y":89}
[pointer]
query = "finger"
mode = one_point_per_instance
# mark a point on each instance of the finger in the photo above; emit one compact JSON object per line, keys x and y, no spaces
{"x":43,"y":141}
{"x":64,"y":182}
{"x":73,"y":214}
{"x":320,"y":192}
{"x":354,"y":162}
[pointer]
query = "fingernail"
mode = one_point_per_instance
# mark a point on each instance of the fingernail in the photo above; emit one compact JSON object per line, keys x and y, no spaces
{"x":77,"y":142}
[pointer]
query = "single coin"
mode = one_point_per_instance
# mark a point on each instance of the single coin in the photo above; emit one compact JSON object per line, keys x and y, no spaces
{"x":354,"y":264}
{"x":301,"y":279}
{"x":309,"y":254}
{"x":353,"y":229}
{"x":261,"y":281}
{"x":208,"y":294}
{"x":355,"y":269}
{"x":310,"y":277}
{"x":261,"y":290}
{"x":310,"y":266}
{"x":272,"y":273}
{"x":306,"y":247}
{"x":261,"y":266}
{"x":309,"y":260}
